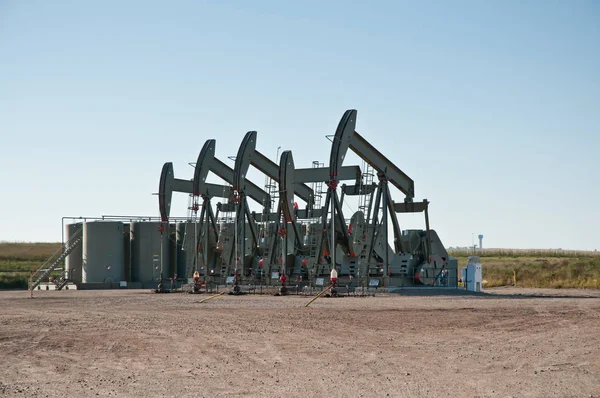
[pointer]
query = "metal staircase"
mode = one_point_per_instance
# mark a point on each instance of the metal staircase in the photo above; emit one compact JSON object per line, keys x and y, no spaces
{"x":61,"y":281}
{"x":55,"y":260}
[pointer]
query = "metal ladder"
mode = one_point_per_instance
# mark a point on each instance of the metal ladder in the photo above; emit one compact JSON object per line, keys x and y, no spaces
{"x":190,"y":238}
{"x":317,"y":187}
{"x":364,"y":201}
{"x":316,"y":237}
{"x":272,"y":189}
{"x":54,"y":261}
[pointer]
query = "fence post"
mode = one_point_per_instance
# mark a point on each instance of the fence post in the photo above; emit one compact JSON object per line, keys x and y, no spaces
{"x":515,"y":277}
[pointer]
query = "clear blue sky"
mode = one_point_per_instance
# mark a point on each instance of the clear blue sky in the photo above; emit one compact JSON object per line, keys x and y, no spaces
{"x":492,"y":107}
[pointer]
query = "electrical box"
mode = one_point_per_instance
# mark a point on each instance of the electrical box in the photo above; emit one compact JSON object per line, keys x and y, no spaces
{"x":473,"y":277}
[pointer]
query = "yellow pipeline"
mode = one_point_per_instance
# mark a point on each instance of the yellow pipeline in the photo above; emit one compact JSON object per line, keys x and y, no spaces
{"x":318,"y":295}
{"x":211,"y":297}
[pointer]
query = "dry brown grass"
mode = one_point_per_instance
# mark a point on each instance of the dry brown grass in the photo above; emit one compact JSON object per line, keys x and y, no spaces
{"x":522,"y":253}
{"x":537,"y":268}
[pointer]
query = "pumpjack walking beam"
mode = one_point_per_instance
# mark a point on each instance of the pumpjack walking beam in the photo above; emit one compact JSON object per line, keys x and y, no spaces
{"x":271,"y":169}
{"x":346,"y":138}
{"x":198,"y":187}
{"x":248,"y":155}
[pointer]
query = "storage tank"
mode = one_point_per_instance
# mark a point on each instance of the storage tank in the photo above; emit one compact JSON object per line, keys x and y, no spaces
{"x":74,"y":260}
{"x":146,"y":252}
{"x":103,"y":252}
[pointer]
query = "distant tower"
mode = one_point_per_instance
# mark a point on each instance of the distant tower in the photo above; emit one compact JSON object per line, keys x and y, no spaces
{"x":480,"y":241}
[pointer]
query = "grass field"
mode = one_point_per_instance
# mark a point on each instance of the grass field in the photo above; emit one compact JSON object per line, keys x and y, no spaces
{"x":534,"y":268}
{"x":537,"y":268}
{"x":17,"y":259}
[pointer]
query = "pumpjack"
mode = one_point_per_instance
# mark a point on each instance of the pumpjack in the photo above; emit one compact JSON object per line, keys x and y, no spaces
{"x":308,"y":243}
{"x":213,"y":237}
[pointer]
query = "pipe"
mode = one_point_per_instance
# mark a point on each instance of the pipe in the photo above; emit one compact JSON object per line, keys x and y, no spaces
{"x":318,"y":295}
{"x":195,"y":245}
{"x":333,"y":245}
{"x":206,"y":243}
{"x":235,"y":232}
{"x":284,"y":250}
{"x":211,"y":297}
{"x":428,"y":235}
{"x":137,"y":218}
{"x":386,"y":267}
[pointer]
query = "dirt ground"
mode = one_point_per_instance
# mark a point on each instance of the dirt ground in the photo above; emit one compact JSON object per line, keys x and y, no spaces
{"x":507,"y":343}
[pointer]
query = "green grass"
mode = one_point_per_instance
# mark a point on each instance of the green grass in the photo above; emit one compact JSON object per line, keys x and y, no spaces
{"x":537,"y":268}
{"x":27,"y":251}
{"x":14,"y":280}
{"x":17,"y":259}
